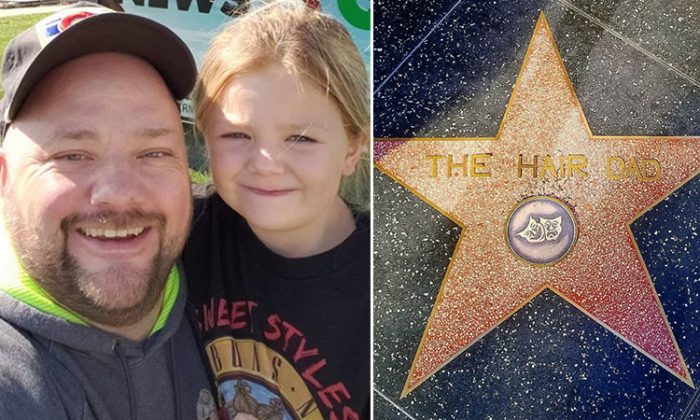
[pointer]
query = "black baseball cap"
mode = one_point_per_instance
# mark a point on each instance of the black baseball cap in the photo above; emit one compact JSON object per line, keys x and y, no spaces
{"x":87,"y":29}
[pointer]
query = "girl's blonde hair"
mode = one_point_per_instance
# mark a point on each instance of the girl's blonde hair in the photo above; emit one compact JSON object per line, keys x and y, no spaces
{"x":307,"y":44}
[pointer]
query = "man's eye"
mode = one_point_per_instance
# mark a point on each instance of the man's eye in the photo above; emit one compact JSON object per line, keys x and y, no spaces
{"x":300,"y":139}
{"x":154,"y":154}
{"x":72,"y":157}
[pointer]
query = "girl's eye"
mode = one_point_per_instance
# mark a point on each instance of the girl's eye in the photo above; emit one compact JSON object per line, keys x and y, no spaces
{"x":235,"y":135}
{"x":301,"y":139}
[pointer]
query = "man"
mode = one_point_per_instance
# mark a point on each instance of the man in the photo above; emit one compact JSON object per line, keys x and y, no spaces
{"x":96,"y":208}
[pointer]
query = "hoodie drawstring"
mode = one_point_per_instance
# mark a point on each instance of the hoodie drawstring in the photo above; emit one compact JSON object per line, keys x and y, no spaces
{"x":129,"y":382}
{"x":176,"y":385}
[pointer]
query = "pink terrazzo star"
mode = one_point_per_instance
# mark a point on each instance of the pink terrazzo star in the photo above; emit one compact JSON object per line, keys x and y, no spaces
{"x":604,"y":182}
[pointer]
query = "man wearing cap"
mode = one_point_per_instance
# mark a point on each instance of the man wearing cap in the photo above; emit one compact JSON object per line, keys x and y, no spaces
{"x":96,"y":208}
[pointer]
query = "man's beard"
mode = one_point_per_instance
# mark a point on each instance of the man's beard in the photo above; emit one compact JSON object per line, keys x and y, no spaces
{"x":92,"y":295}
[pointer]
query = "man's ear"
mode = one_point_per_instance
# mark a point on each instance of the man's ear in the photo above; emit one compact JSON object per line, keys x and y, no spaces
{"x":3,"y":172}
{"x":356,"y":145}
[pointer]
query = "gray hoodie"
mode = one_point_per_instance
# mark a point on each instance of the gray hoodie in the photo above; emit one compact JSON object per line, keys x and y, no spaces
{"x":51,"y":368}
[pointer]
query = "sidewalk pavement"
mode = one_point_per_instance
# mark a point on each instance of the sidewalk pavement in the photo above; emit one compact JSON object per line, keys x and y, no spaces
{"x":17,"y":11}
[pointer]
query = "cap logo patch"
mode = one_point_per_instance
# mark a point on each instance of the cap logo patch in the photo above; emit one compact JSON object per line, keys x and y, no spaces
{"x":68,"y":21}
{"x":53,"y":25}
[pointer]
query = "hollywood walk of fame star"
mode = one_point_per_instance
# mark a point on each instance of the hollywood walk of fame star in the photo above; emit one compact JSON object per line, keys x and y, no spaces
{"x":543,"y":204}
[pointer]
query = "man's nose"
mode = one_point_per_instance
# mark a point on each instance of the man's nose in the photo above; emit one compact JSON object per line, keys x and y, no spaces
{"x":118,"y":184}
{"x":267,"y":160}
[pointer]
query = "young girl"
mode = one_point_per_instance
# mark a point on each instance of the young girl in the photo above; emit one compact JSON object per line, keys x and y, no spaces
{"x":278,"y":260}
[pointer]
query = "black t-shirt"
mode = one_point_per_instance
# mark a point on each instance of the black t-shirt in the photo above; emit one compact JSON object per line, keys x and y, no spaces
{"x":285,"y":338}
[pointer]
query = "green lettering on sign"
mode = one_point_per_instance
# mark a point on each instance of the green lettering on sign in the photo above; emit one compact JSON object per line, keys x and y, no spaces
{"x":354,"y":14}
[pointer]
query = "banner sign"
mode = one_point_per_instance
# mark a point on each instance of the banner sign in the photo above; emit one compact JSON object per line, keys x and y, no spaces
{"x":197,"y":21}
